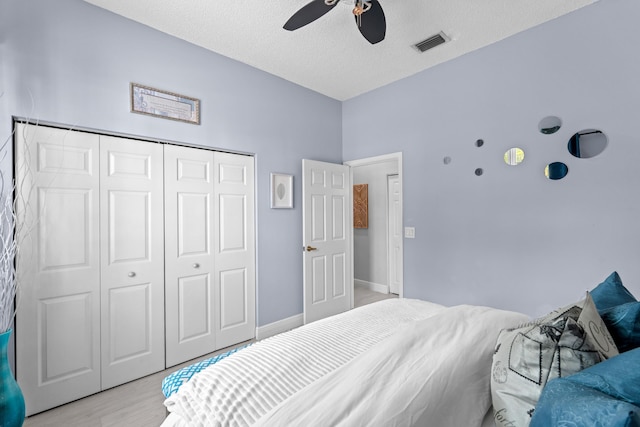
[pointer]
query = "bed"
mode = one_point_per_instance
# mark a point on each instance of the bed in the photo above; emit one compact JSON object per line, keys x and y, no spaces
{"x":399,"y":362}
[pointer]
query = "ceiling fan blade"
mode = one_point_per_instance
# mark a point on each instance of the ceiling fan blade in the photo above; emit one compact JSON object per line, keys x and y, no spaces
{"x":308,"y":14}
{"x":373,"y":25}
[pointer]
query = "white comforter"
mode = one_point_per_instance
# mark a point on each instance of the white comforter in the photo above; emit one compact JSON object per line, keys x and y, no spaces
{"x":397,"y":362}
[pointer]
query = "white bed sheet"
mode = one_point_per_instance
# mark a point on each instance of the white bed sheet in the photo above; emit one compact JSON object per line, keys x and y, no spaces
{"x":434,"y":372}
{"x":239,"y":390}
{"x":268,"y":382}
{"x":174,"y":420}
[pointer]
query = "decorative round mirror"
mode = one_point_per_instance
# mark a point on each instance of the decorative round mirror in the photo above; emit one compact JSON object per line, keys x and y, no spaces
{"x":514,"y":156}
{"x":587,"y":143}
{"x":556,"y":170}
{"x":550,"y":125}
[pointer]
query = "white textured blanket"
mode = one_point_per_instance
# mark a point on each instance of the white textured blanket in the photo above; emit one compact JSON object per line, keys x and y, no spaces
{"x":435,"y":372}
{"x":397,"y":362}
{"x":240,"y":389}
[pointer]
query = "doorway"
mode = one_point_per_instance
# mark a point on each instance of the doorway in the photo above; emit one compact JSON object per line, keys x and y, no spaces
{"x":377,"y":258}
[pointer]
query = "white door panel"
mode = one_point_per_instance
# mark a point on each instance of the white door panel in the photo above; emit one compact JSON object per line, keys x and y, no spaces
{"x":233,"y":219}
{"x":327,"y":230}
{"x":233,"y":297}
{"x":132,"y":274}
{"x":194,"y":310}
{"x":58,"y":267}
{"x":394,"y":215}
{"x":66,"y":219}
{"x":234,"y":278}
{"x":129,"y":309}
{"x":60,"y":319}
{"x":189,"y":260}
{"x":339,"y":275}
{"x":129,"y":226}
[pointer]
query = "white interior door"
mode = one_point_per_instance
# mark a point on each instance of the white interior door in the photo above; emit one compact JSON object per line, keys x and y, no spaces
{"x":327,"y":239}
{"x":132,"y":273}
{"x":189,"y":262}
{"x":58,"y":266}
{"x":394,"y":215}
{"x":234,"y":248}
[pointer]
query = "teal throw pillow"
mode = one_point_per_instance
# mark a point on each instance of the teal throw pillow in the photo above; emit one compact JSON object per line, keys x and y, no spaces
{"x":605,"y":394}
{"x":610,"y":293}
{"x":623,"y":323}
{"x":565,"y":403}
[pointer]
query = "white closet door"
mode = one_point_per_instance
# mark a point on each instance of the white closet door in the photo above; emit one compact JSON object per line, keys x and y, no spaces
{"x":234,"y":248}
{"x":132,"y":246}
{"x":189,"y":295}
{"x":58,"y":267}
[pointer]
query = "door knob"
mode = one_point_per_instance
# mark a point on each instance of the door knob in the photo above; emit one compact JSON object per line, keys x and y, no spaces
{"x":311,"y":248}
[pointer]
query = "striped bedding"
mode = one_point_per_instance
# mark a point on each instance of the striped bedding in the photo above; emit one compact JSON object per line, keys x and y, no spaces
{"x":434,"y":372}
{"x":241,"y":389}
{"x":173,"y":382}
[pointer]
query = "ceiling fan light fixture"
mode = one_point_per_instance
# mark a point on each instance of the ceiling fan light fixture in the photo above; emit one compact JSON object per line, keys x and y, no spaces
{"x":361,"y":7}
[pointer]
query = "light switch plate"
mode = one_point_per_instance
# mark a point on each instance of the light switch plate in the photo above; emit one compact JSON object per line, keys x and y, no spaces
{"x":410,"y":232}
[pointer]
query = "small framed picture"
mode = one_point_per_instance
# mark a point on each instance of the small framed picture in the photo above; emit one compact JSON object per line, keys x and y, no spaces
{"x":168,"y":105}
{"x":281,"y":191}
{"x":361,"y":206}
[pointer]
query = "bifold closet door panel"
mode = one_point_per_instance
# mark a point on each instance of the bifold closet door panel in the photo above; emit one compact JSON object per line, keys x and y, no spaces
{"x":234,"y":250}
{"x":58,"y":266}
{"x":132,"y":260}
{"x":189,"y":219}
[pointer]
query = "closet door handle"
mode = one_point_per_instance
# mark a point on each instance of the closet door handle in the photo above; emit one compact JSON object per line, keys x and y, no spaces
{"x":311,"y":248}
{"x":196,"y":265}
{"x":132,"y":274}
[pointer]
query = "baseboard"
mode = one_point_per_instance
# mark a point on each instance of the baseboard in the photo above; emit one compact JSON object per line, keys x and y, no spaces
{"x":376,"y":287}
{"x":275,"y":328}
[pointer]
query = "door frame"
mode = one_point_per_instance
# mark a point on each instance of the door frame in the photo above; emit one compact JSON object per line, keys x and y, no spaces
{"x":391,"y":260}
{"x":384,"y":158}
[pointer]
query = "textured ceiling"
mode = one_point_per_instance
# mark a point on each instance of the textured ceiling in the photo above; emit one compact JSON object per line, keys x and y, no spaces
{"x":329,"y":55}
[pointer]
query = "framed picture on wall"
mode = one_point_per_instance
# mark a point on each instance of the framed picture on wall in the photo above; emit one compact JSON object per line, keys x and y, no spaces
{"x":167,"y":105}
{"x":281,"y":191}
{"x":361,"y":206}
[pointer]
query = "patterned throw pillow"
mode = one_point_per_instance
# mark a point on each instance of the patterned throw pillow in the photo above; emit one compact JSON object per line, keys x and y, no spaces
{"x":559,"y":344}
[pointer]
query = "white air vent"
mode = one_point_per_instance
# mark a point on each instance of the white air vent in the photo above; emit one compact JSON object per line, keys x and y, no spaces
{"x":431,"y":42}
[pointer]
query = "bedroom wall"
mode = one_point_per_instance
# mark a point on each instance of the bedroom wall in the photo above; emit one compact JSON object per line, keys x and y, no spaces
{"x":511,"y":238}
{"x":370,"y":244}
{"x":71,"y":63}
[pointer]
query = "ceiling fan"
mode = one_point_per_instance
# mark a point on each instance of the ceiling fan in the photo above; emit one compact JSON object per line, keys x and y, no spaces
{"x":368,"y":15}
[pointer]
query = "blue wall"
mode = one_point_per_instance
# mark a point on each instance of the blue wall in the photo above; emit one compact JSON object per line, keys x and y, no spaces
{"x":71,"y":63}
{"x":511,"y":238}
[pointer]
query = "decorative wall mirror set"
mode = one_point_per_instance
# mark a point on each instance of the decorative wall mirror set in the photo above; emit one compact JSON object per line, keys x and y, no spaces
{"x":584,"y":144}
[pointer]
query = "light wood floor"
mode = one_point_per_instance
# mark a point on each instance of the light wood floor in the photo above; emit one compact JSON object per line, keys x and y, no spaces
{"x":363,"y":296}
{"x":138,"y":403}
